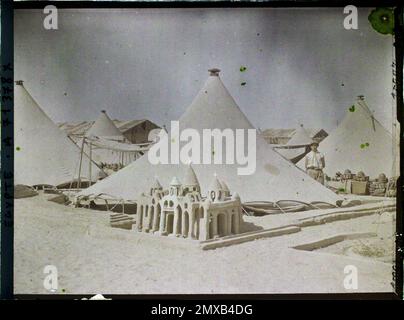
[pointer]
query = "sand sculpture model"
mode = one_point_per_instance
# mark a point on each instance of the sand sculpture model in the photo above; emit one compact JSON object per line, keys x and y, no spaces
{"x":183,"y":212}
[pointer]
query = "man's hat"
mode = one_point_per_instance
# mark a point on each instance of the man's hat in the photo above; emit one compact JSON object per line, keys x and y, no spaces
{"x":314,"y":143}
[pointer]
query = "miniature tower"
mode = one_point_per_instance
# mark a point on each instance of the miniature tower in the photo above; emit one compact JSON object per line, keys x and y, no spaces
{"x":216,"y":192}
{"x":156,"y":187}
{"x":175,"y":187}
{"x":225,"y":188}
{"x":191,"y":183}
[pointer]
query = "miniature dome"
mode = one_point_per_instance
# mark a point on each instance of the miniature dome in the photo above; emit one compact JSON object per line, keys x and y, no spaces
{"x":156,"y":184}
{"x":175,"y":182}
{"x":216,"y":192}
{"x":224,"y":186}
{"x":235,"y":196}
{"x":216,"y":184}
{"x":382,"y":178}
{"x":361,"y":174}
{"x":190,"y":177}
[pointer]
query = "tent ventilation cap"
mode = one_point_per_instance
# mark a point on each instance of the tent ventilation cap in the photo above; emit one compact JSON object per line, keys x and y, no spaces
{"x":214,"y":72}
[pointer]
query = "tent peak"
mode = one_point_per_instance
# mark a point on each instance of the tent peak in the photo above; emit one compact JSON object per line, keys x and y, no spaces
{"x":214,"y":72}
{"x":105,"y":127}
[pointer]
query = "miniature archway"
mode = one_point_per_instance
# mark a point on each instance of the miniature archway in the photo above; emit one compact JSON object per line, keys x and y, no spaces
{"x":170,"y":223}
{"x":178,"y":225}
{"x":157,"y":218}
{"x":221,"y":224}
{"x":140,"y":218}
{"x":151,"y":217}
{"x":185,"y":224}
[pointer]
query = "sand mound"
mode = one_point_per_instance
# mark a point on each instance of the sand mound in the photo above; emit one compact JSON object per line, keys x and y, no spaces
{"x":23,"y":191}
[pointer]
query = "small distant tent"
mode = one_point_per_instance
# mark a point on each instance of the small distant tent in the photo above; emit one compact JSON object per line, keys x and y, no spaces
{"x":105,"y":132}
{"x":44,"y":154}
{"x":274,"y":178}
{"x":105,"y":128}
{"x":359,"y":143}
{"x":297,"y":147}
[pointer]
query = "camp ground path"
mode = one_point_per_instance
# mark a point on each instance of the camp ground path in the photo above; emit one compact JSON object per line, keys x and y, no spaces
{"x":92,"y":257}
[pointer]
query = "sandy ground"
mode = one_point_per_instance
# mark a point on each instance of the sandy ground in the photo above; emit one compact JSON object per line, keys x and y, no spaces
{"x":92,"y":257}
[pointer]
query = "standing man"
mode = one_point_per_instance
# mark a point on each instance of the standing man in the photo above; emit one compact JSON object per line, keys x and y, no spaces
{"x":315,"y":163}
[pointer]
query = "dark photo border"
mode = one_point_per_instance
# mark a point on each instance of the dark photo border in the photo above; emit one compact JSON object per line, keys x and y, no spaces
{"x":7,"y":143}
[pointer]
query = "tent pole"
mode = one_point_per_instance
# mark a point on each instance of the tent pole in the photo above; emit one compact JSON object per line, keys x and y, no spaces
{"x":89,"y":169}
{"x":81,"y":160}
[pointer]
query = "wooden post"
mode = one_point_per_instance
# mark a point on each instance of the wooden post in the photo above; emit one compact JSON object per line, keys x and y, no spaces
{"x":89,"y":169}
{"x":81,"y":160}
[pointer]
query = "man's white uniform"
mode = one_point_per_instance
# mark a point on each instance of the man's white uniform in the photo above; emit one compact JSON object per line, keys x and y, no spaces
{"x":315,"y":164}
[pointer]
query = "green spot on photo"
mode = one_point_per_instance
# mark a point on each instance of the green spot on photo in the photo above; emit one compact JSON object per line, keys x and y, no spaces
{"x":352,"y":108}
{"x":18,"y":148}
{"x":243,"y":83}
{"x":382,"y":20}
{"x":242,"y":69}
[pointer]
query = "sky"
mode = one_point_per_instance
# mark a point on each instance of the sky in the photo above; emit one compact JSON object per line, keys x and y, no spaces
{"x":302,"y":66}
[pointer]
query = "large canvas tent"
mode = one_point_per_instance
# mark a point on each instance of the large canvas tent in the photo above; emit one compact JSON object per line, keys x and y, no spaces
{"x":359,"y":143}
{"x":274,"y":178}
{"x":44,"y":154}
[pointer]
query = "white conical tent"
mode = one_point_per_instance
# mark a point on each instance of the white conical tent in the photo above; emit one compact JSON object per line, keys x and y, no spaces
{"x":297,"y":146}
{"x":104,"y":127}
{"x":44,"y":154}
{"x":300,"y":138}
{"x":359,"y":143}
{"x":274,"y":178}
